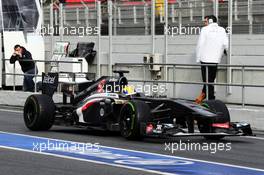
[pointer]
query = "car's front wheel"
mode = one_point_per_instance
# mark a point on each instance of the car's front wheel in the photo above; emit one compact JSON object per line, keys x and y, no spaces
{"x":39,"y":112}
{"x":220,"y":108}
{"x":132,"y":114}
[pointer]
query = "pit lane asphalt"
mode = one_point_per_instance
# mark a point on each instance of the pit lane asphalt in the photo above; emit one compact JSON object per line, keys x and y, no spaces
{"x":245,"y":151}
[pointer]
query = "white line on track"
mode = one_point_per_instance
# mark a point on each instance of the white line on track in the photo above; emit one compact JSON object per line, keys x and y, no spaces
{"x":10,"y":110}
{"x":190,"y":159}
{"x":252,"y":137}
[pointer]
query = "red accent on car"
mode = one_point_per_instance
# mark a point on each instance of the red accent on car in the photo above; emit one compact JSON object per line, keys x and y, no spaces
{"x":221,"y":125}
{"x":149,"y":128}
{"x":87,"y":105}
{"x":100,"y":87}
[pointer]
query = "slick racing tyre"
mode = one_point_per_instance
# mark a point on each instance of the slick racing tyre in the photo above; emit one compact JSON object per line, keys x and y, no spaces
{"x":132,"y":114}
{"x":39,"y":112}
{"x":218,"y":107}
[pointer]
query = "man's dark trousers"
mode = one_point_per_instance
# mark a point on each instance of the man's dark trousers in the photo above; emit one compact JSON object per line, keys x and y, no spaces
{"x":212,"y":70}
{"x":28,"y":83}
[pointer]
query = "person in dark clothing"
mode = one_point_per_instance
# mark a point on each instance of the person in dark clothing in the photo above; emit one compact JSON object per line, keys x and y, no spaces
{"x":27,"y":64}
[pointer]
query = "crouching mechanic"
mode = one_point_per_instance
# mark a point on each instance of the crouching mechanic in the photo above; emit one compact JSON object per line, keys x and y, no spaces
{"x":27,"y":64}
{"x":212,"y":43}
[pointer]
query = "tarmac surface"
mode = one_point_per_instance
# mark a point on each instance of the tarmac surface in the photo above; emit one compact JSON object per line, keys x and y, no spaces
{"x":245,"y":151}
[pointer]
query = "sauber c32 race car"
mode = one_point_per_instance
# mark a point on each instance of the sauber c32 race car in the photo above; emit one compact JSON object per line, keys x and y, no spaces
{"x":98,"y":104}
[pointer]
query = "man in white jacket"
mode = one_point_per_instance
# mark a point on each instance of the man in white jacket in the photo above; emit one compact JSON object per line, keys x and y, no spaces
{"x":211,"y":45}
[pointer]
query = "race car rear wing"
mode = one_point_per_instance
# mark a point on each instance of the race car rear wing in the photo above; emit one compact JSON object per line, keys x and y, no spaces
{"x":50,"y":83}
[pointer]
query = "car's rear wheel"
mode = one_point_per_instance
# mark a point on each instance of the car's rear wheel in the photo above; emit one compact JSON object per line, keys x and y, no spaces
{"x":220,"y":108}
{"x":39,"y":112}
{"x":132,"y":114}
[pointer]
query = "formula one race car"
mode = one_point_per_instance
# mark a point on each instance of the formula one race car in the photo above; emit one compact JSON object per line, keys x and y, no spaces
{"x":108,"y":103}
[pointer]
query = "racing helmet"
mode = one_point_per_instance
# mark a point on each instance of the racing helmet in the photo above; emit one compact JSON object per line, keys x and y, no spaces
{"x":129,"y":90}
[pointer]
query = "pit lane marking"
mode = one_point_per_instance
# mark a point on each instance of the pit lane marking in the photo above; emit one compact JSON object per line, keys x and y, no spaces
{"x":210,"y":163}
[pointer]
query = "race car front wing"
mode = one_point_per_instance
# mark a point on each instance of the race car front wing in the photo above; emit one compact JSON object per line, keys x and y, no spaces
{"x":171,"y":130}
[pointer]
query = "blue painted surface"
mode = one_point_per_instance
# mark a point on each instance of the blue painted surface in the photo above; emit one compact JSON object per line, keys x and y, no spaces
{"x":115,"y":156}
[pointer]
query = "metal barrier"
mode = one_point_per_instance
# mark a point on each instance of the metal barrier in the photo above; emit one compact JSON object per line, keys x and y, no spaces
{"x":174,"y":67}
{"x":35,"y":75}
{"x":242,"y":68}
